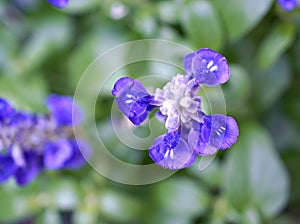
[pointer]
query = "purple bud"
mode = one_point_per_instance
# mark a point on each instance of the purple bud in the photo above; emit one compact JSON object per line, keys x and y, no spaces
{"x":59,"y":3}
{"x":288,"y":5}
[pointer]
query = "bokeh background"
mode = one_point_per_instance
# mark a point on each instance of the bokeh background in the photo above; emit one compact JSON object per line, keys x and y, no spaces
{"x":45,"y":50}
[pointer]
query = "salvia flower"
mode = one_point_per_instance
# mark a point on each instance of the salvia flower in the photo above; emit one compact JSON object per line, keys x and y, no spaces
{"x":190,"y":131}
{"x":59,"y":3}
{"x":30,"y":143}
{"x":288,"y":5}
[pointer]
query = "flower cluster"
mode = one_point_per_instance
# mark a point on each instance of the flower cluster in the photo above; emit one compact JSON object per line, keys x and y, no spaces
{"x":190,"y":131}
{"x":59,"y":3}
{"x":30,"y":143}
{"x":288,"y":5}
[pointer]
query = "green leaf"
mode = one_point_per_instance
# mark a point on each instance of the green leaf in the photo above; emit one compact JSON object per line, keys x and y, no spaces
{"x":202,"y":24}
{"x":79,"y":7}
{"x":237,"y":89}
{"x":254,"y":174}
{"x":280,"y":38}
{"x":181,"y":196}
{"x":50,"y":34}
{"x":240,"y":16}
{"x":269,"y":84}
{"x":119,"y":207}
{"x":24,"y":94}
{"x":64,"y":194}
{"x":15,"y":203}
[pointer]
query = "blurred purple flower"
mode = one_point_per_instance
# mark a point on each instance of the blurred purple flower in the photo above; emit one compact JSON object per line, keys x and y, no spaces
{"x":59,"y":3}
{"x":30,"y":143}
{"x":64,"y":110}
{"x":288,"y":5}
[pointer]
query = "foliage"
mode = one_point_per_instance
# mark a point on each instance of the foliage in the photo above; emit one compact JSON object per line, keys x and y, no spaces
{"x":45,"y":50}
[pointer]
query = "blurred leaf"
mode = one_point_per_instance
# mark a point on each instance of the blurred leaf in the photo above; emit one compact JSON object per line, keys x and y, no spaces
{"x":49,"y":35}
{"x":254,"y":174}
{"x":168,"y":11}
{"x":181,"y":197}
{"x":79,"y":7}
{"x":14,"y":204}
{"x":24,"y":93}
{"x":269,"y":84}
{"x":95,"y":43}
{"x":280,"y":38}
{"x":211,"y":175}
{"x":49,"y":216}
{"x":240,"y":16}
{"x":202,"y":25}
{"x":237,"y":89}
{"x":64,"y":194}
{"x":119,"y":207}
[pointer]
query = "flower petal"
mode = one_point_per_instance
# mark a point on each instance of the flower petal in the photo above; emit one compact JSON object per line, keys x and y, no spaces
{"x":26,"y":174}
{"x":187,"y":62}
{"x":171,"y":152}
{"x":7,"y":167}
{"x":6,"y":110}
{"x":133,"y":100}
{"x":120,"y":85}
{"x":64,"y":109}
{"x":81,"y":150}
{"x":57,"y":153}
{"x":216,"y":132}
{"x":59,"y":3}
{"x":210,"y":67}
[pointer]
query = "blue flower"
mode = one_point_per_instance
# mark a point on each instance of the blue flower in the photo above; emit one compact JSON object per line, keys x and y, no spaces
{"x":215,"y":132}
{"x":30,"y":143}
{"x":207,"y":66}
{"x":33,"y":166}
{"x":7,"y":167}
{"x":57,"y":153}
{"x":288,"y":5}
{"x":64,"y":110}
{"x":59,"y":3}
{"x":190,"y":131}
{"x":6,"y":110}
{"x":171,"y":152}
{"x":132,"y":99}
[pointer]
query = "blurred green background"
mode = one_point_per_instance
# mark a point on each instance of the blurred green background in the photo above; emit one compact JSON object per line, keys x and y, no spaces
{"x":44,"y":50}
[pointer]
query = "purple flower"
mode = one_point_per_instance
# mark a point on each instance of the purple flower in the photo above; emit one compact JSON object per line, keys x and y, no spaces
{"x":77,"y":160}
{"x":216,"y":132}
{"x":207,"y":66}
{"x":132,"y":99}
{"x":7,"y":167}
{"x":59,"y":3}
{"x":189,"y":130}
{"x":27,"y":173}
{"x":57,"y":153}
{"x":6,"y":110}
{"x":31,"y":142}
{"x":64,"y":110}
{"x":171,"y":152}
{"x":288,"y":5}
